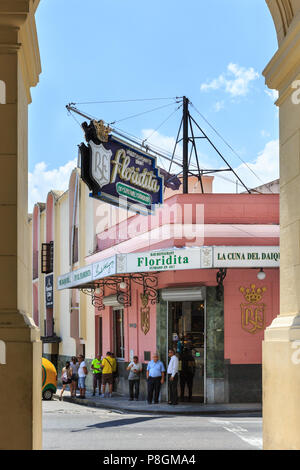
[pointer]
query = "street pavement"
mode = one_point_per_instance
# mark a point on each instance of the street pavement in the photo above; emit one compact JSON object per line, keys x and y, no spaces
{"x":68,"y":426}
{"x":122,"y":403}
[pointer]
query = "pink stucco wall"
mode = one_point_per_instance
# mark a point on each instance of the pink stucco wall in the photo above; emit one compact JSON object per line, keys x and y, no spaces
{"x":228,"y":219}
{"x":242,"y":347}
{"x":258,"y":211}
{"x":134,"y":338}
{"x":50,"y":219}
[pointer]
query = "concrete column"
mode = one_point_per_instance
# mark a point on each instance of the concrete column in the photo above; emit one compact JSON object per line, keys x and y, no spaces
{"x":20,"y":360}
{"x":281,"y":347}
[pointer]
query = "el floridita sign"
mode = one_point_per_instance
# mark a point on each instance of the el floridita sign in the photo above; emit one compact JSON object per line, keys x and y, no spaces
{"x":118,"y":173}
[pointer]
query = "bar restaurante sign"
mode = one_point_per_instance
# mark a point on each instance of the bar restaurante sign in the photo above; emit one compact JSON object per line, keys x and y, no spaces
{"x":119,"y":173}
{"x":164,"y":260}
{"x":209,"y":257}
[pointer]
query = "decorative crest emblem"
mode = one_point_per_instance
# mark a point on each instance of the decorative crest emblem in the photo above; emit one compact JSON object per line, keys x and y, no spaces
{"x":102,"y":131}
{"x":100,"y":167}
{"x":253,"y":312}
{"x":145,"y":314}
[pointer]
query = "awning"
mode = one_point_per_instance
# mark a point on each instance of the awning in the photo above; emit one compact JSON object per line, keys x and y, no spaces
{"x":171,"y":259}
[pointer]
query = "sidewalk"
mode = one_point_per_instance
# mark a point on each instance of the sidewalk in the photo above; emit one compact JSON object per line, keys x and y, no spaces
{"x":121,"y":403}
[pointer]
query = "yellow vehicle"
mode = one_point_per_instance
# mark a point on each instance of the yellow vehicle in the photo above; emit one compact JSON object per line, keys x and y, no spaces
{"x":49,"y":380}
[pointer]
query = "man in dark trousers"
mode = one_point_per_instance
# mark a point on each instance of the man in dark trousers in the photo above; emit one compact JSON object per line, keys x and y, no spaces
{"x":187,"y":373}
{"x":173,"y":377}
{"x":155,"y":378}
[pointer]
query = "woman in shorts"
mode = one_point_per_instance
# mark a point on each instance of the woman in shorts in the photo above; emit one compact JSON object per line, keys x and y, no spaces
{"x":66,"y":375}
{"x":75,"y":365}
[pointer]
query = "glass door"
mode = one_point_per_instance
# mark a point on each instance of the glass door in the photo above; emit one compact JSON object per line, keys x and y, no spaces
{"x":187,"y":337}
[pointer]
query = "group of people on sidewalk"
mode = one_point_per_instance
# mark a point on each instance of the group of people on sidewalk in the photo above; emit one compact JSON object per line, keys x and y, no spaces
{"x":75,"y":372}
{"x":104,"y":371}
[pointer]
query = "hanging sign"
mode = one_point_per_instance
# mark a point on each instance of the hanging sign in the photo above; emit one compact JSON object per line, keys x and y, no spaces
{"x":49,"y":290}
{"x":119,"y":173}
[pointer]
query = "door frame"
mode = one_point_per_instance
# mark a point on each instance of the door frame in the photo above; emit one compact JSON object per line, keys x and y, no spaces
{"x":205,"y":341}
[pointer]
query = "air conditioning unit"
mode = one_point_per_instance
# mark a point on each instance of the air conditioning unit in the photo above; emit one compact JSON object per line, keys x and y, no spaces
{"x":111,"y":301}
{"x":184,"y":294}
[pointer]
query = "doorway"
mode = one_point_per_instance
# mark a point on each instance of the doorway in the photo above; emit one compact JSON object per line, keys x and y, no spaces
{"x":119,"y":342}
{"x":187,"y":337}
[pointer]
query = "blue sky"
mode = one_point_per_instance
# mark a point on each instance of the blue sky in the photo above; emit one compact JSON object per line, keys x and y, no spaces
{"x":213,"y":52}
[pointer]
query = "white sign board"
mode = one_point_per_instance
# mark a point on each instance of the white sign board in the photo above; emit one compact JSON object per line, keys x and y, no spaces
{"x":82,"y":276}
{"x":246,"y":257}
{"x":104,"y":268}
{"x":175,"y":260}
{"x":164,"y":260}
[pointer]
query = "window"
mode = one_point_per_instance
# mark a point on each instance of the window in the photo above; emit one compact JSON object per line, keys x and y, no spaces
{"x":47,"y":258}
{"x":119,"y":333}
{"x":75,"y":246}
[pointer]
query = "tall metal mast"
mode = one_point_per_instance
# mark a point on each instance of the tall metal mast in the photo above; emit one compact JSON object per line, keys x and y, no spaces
{"x":185,"y":139}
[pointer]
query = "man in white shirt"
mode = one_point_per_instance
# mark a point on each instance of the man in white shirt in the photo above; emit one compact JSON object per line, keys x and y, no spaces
{"x":173,"y":377}
{"x":82,"y":373}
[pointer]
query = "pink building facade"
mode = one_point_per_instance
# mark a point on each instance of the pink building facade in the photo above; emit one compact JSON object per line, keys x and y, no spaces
{"x":200,"y":276}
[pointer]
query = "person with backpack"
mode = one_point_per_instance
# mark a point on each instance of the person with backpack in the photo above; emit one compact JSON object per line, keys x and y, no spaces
{"x":107,"y":367}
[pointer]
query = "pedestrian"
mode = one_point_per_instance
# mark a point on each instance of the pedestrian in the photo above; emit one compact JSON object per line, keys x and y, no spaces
{"x":75,"y":365}
{"x":97,"y":373}
{"x":155,"y":378}
{"x":66,"y":375}
{"x":82,"y":373}
{"x":135,"y":369}
{"x":107,"y":367}
{"x":115,"y":371}
{"x":172,"y":372}
{"x":187,"y":373}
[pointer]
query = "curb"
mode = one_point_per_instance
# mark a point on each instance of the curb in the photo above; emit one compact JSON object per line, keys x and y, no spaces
{"x":115,"y":407}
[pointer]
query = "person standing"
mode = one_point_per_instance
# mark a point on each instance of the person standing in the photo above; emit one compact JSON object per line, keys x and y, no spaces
{"x":82,"y":373}
{"x":155,"y":378}
{"x":172,"y":372}
{"x":187,"y":373}
{"x":75,"y":365}
{"x":97,"y":373}
{"x":107,"y":374}
{"x":115,"y":371}
{"x":135,"y":369}
{"x":66,"y":375}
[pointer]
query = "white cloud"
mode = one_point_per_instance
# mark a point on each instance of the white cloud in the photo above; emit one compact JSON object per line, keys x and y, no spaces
{"x":42,"y":180}
{"x":158,"y":140}
{"x":273,"y":94}
{"x":235,"y":81}
{"x":266,"y":167}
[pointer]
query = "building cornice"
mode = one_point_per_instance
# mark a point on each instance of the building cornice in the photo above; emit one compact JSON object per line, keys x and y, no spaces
{"x":284,"y":67}
{"x":282,"y":12}
{"x":17,"y":19}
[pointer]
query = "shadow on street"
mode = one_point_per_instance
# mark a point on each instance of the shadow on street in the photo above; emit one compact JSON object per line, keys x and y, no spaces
{"x":122,"y":422}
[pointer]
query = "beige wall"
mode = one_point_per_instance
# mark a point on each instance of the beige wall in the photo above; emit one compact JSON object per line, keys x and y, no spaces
{"x":19,"y":69}
{"x":281,"y":365}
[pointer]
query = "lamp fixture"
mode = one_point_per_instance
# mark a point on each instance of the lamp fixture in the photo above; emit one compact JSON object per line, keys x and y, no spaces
{"x":123,"y":285}
{"x":261,"y":275}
